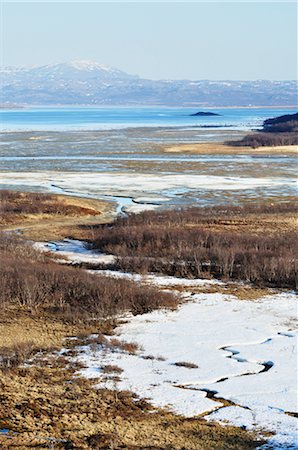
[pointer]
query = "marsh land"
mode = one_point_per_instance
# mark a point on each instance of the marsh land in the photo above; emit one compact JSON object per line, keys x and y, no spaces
{"x":171,"y":328}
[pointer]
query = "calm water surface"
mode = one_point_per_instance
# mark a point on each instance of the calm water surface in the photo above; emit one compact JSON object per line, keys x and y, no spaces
{"x":123,"y":117}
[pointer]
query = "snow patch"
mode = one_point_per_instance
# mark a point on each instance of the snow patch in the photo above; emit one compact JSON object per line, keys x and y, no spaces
{"x":75,"y":252}
{"x":199,"y":332}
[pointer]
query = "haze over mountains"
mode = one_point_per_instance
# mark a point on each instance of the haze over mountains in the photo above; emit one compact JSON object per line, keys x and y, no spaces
{"x":91,"y":83}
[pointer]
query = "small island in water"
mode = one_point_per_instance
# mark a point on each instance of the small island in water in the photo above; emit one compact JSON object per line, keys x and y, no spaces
{"x":204,"y":114}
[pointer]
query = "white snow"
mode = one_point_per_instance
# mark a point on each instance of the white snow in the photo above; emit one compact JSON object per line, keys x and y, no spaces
{"x":90,"y":65}
{"x":75,"y":252}
{"x":129,"y":189}
{"x":157,"y":280}
{"x":261,"y":331}
{"x":135,"y":184}
{"x":286,"y":437}
{"x":137,"y":208}
{"x":230,"y":340}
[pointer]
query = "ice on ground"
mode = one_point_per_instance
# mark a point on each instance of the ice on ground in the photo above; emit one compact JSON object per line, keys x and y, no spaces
{"x":286,"y":437}
{"x":132,"y":191}
{"x":230,"y":341}
{"x":75,"y":252}
{"x":150,"y":199}
{"x":137,"y":185}
{"x":138,"y":208}
{"x":157,"y":280}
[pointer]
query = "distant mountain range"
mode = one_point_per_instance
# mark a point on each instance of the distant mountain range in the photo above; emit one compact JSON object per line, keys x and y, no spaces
{"x":90,"y":83}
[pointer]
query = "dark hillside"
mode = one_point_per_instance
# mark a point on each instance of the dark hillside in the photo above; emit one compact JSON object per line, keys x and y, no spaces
{"x":282,"y":130}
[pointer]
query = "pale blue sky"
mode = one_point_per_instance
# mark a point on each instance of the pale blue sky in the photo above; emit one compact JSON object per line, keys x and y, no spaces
{"x":195,"y":40}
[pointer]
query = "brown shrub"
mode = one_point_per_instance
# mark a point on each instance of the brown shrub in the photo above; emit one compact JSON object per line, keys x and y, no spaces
{"x":265,"y":139}
{"x":14,"y":356}
{"x":13,"y":204}
{"x":128,"y":347}
{"x":30,"y":280}
{"x":188,"y":365}
{"x":282,"y":130}
{"x":180,"y":243}
{"x":111,"y":369}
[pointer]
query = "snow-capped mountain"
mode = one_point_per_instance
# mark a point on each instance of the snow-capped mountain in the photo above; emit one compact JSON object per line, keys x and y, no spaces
{"x":88,"y":82}
{"x":80,"y":70}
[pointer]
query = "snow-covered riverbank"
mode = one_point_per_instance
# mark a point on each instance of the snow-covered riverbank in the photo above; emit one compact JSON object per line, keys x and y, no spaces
{"x":238,"y":356}
{"x":244,"y":352}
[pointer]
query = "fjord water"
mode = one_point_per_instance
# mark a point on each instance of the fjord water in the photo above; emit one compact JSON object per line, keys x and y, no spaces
{"x":104,"y":118}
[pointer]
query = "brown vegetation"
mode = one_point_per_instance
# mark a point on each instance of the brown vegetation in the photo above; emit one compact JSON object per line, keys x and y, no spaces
{"x":263,"y":139}
{"x":45,"y":216}
{"x":199,"y":242}
{"x":14,"y":204}
{"x":187,"y":365}
{"x":111,"y":369}
{"x":31,"y":281}
{"x":220,"y":148}
{"x":277,"y":131}
{"x":49,"y":405}
{"x":43,"y":403}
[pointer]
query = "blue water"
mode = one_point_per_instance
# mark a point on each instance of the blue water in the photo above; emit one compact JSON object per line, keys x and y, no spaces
{"x":105,"y":118}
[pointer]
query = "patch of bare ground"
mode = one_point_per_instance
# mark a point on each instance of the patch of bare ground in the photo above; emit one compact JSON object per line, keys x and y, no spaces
{"x":51,"y":405}
{"x":207,"y":148}
{"x":240,"y":291}
{"x":47,"y":216}
{"x":20,"y":326}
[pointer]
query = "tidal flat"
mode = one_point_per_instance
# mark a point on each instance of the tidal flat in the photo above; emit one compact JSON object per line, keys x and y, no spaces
{"x":125,"y":165}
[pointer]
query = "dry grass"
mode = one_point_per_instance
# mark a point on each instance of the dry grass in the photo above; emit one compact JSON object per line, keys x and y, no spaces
{"x":238,"y":290}
{"x":47,"y":217}
{"x":220,"y":148}
{"x":54,"y":403}
{"x":20,"y":326}
{"x":127,"y":347}
{"x":111,"y":369}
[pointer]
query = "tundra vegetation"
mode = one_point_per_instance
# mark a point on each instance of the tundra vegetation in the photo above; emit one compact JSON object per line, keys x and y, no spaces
{"x":231,"y":243}
{"x":43,"y":401}
{"x":30,"y":280}
{"x":50,"y":216}
{"x":16,"y":204}
{"x":46,"y":306}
